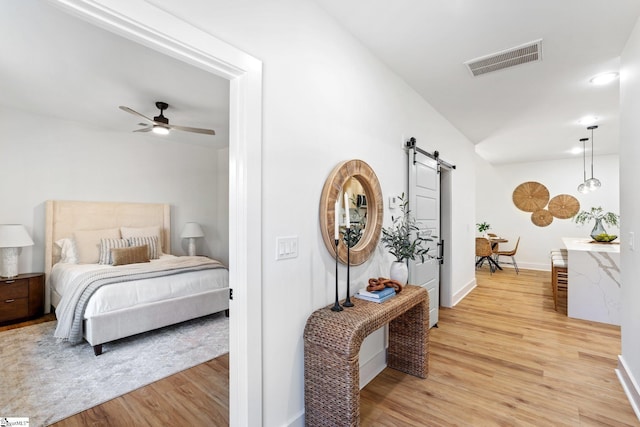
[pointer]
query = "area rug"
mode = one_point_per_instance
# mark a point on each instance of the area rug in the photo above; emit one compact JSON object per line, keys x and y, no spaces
{"x":47,"y":380}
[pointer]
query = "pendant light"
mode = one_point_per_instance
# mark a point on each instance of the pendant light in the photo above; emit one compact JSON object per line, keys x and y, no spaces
{"x":582,"y":188}
{"x":592,"y":183}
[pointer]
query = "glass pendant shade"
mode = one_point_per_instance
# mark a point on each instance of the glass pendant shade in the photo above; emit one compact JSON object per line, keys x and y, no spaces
{"x":582,"y":188}
{"x":592,"y":183}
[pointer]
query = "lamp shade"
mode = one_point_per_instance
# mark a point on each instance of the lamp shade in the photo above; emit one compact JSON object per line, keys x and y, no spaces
{"x":192,"y":229}
{"x":14,"y":236}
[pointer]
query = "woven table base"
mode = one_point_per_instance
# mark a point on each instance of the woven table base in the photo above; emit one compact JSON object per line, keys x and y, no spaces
{"x":331,"y":352}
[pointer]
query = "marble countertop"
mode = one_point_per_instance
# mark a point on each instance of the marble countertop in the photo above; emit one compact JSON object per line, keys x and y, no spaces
{"x":584,"y":244}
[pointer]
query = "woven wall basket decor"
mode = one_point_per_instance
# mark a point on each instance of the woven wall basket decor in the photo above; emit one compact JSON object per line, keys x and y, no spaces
{"x":541,"y":217}
{"x":530,"y":196}
{"x":563,"y":206}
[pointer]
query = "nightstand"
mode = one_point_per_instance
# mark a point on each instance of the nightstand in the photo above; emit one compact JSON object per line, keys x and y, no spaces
{"x":21,"y":297}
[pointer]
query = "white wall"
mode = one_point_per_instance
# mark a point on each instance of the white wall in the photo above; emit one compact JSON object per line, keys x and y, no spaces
{"x":46,"y":158}
{"x":630,"y":210}
{"x":494,"y":189}
{"x":326,"y":99}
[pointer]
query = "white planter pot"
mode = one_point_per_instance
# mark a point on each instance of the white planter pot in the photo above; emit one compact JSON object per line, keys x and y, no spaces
{"x":399,"y":271}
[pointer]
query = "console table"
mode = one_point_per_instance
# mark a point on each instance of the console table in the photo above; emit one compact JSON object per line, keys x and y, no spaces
{"x":331,"y":352}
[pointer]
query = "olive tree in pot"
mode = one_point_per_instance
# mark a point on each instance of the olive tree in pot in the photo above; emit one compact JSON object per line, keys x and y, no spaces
{"x":404,"y":242}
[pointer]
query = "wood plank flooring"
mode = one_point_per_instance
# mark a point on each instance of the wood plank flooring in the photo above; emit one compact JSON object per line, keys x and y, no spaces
{"x":502,"y":357}
{"x":195,"y":397}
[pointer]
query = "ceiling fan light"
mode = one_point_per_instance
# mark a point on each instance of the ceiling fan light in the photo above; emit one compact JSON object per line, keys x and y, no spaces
{"x":160,"y":130}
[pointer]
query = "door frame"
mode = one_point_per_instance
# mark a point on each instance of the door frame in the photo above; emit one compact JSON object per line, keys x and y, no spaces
{"x":446,"y":234}
{"x":150,"y":26}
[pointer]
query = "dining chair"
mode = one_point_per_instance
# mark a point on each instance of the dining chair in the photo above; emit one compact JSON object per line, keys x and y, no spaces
{"x":512,"y":254}
{"x":484,"y":253}
{"x":495,"y":246}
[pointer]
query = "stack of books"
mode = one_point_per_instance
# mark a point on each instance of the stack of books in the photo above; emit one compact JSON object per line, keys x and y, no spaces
{"x":376,"y":296}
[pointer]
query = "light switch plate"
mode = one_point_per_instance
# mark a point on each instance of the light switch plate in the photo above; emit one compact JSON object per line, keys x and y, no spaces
{"x":286,"y":247}
{"x":393,"y":202}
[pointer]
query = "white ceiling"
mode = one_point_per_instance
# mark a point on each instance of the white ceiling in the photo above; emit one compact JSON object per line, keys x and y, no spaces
{"x":57,"y":65}
{"x":524,"y":113}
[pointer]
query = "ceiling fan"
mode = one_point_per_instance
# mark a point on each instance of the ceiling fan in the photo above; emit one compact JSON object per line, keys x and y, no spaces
{"x":160,"y":124}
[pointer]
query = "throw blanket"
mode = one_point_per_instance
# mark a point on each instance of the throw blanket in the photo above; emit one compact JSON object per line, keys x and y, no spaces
{"x":70,"y":311}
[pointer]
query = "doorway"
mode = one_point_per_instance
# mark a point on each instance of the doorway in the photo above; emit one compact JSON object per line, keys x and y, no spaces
{"x":142,"y":23}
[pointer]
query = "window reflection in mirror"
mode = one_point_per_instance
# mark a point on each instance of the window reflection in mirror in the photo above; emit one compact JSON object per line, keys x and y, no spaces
{"x":357,"y":210}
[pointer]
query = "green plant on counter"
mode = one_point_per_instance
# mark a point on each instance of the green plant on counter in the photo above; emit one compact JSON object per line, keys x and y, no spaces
{"x":597,"y":214}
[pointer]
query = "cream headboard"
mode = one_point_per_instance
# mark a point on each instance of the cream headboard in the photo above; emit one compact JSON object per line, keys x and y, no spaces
{"x":65,"y":217}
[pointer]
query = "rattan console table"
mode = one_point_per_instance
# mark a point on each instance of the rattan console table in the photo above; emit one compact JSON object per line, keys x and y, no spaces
{"x":331,"y":352}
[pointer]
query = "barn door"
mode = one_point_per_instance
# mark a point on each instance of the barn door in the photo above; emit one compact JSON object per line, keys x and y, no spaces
{"x":424,"y":204}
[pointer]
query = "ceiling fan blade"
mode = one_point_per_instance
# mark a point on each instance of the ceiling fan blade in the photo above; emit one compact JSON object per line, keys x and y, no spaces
{"x":135,"y":113}
{"x":196,"y":130}
{"x":144,"y":129}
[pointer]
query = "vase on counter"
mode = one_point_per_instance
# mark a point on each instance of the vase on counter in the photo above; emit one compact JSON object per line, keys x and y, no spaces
{"x":597,"y":229}
{"x":399,"y":271}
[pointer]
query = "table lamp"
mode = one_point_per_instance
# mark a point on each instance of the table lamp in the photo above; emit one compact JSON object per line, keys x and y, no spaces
{"x":12,"y":237}
{"x":191,"y":231}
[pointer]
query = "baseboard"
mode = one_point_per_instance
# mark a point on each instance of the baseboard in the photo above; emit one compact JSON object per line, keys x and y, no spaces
{"x":370,"y":369}
{"x":629,"y":384}
{"x":297,"y":421}
{"x":531,"y":266}
{"x":459,"y":296}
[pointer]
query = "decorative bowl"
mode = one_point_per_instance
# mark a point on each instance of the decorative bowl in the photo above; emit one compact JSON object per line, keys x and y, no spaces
{"x":604,"y":237}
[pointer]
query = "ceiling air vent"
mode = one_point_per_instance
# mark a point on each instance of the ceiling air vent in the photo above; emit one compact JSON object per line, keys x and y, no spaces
{"x":528,"y":52}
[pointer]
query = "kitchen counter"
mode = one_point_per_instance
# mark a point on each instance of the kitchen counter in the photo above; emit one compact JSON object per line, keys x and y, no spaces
{"x":594,"y":280}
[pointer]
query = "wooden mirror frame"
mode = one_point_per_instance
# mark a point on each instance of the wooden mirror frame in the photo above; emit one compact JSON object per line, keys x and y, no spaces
{"x":332,"y":190}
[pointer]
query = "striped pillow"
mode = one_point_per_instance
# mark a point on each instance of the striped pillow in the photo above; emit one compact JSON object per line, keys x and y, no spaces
{"x":105,"y":249}
{"x":150,"y":241}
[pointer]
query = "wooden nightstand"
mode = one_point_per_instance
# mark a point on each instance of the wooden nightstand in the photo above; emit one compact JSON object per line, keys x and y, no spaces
{"x":21,"y":297}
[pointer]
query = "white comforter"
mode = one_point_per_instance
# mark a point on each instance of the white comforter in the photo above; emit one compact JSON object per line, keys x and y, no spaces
{"x":123,"y":295}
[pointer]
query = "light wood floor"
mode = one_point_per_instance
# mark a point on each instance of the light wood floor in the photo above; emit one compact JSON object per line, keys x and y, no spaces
{"x":502,"y":357}
{"x":196,"y":397}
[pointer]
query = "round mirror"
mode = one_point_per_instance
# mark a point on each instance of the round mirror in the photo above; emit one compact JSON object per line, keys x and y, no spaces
{"x":362,"y":211}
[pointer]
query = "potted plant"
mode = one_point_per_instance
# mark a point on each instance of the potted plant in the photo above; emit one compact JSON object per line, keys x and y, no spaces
{"x":483,"y":227}
{"x":598,"y":233}
{"x":404,"y":242}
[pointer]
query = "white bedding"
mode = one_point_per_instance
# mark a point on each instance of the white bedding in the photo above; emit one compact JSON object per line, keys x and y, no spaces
{"x":120,"y":296}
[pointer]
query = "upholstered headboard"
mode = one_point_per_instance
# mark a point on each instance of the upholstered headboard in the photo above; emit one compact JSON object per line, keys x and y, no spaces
{"x":63,"y":218}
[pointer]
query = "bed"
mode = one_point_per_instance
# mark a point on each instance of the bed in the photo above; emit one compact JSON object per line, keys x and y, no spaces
{"x":136,"y":296}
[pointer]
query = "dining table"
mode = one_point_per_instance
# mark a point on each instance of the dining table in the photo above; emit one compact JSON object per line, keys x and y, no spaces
{"x":495,"y":240}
